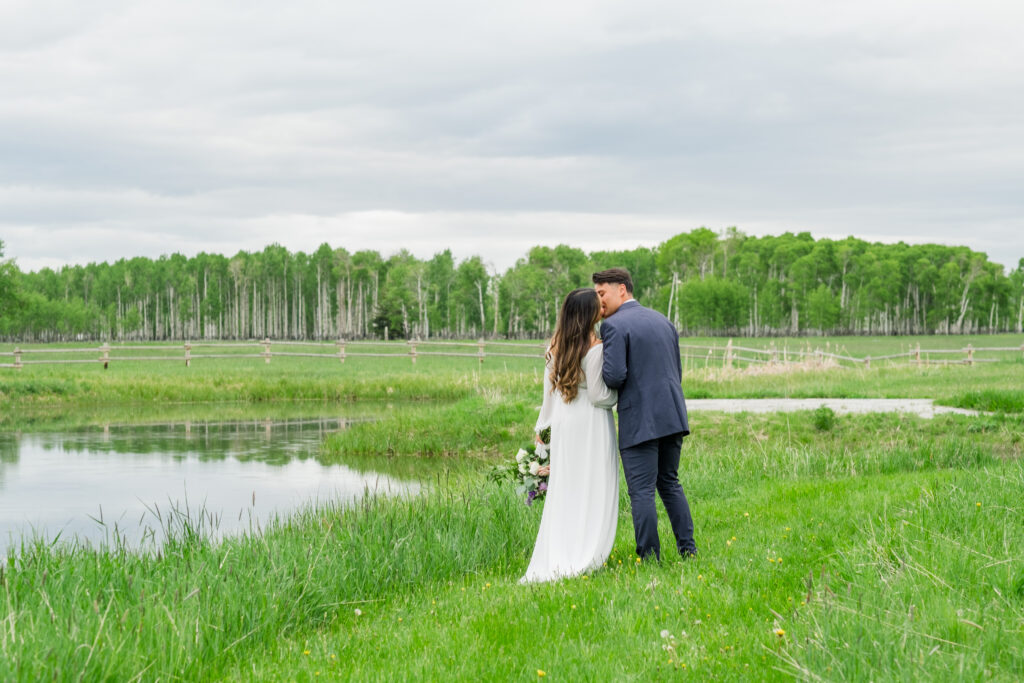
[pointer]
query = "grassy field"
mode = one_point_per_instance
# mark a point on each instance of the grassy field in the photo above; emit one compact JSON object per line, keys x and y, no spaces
{"x":861,"y":346}
{"x":865,"y":545}
{"x":39,"y":393}
{"x":873,"y":547}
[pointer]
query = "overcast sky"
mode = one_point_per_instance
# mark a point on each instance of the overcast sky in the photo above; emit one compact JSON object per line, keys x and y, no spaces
{"x":144,"y":128}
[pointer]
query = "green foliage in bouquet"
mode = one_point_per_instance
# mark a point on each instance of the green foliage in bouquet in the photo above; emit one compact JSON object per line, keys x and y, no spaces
{"x":523,"y":469}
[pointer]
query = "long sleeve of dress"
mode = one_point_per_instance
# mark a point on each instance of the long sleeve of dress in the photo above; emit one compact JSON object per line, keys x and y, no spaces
{"x":597,"y":391}
{"x":544,"y":419}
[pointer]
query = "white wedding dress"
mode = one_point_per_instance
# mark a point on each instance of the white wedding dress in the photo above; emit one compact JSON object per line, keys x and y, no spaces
{"x":581,"y":508}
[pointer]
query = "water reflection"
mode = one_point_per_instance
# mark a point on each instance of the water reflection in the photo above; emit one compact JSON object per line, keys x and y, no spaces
{"x":84,"y":482}
{"x":275,"y":442}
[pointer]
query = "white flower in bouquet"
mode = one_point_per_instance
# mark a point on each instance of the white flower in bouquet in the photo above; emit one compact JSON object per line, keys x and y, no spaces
{"x":534,"y":467}
{"x":523,"y":469}
{"x":521,"y":455}
{"x":542,"y":451}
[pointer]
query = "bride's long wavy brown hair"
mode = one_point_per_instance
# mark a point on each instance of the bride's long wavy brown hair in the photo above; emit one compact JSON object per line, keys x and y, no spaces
{"x":580,"y":312}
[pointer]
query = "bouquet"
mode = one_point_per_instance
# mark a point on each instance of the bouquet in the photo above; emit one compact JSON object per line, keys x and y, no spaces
{"x":523,"y":470}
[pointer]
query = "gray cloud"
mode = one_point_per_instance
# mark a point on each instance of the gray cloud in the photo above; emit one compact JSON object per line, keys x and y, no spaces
{"x":140,"y":128}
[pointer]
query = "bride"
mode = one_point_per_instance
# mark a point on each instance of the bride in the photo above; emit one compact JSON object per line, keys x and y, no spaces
{"x":581,"y":508}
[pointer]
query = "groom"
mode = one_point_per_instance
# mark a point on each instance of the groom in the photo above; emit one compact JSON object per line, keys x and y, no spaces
{"x":641,"y":360}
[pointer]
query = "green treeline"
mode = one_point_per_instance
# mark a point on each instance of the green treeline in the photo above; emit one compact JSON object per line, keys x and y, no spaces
{"x":708,"y":283}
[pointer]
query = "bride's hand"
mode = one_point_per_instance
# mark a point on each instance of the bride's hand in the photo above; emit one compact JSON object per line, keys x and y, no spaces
{"x":544,"y":471}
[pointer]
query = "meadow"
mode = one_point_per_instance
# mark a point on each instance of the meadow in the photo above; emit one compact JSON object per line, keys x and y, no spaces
{"x":880,"y":547}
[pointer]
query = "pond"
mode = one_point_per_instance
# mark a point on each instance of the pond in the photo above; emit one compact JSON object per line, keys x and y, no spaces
{"x":90,"y":483}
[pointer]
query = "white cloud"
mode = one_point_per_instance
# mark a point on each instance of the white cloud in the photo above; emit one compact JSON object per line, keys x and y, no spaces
{"x":196,"y":126}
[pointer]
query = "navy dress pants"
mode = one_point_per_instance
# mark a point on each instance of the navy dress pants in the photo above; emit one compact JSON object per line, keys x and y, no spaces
{"x":653,"y":466}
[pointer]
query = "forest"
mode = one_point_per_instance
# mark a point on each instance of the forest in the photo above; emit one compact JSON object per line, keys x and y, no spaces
{"x":706,"y":282}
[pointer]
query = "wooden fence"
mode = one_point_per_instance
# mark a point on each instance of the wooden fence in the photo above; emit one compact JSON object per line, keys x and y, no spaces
{"x":693,"y":356}
{"x":731,"y":353}
{"x":267,"y":349}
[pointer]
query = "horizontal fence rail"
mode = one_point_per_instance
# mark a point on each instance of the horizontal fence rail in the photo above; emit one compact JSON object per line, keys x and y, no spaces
{"x":267,"y":349}
{"x":701,"y":356}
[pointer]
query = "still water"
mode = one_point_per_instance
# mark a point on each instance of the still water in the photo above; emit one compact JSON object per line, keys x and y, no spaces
{"x":85,"y":483}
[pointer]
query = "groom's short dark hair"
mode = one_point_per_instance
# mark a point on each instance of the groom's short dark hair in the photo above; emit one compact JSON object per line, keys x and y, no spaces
{"x":614,"y":276}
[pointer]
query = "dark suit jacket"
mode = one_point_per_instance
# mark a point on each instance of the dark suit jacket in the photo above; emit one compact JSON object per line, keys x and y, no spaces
{"x":641,"y":361}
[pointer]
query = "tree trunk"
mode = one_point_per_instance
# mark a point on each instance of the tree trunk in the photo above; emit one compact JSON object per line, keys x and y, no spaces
{"x":964,"y":303}
{"x":480,"y":300}
{"x":671,"y":297}
{"x":496,"y":309}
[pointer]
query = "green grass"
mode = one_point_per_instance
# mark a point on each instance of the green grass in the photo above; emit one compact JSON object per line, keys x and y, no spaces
{"x":947,"y":384}
{"x":873,"y":522}
{"x":991,"y":400}
{"x":861,"y":538}
{"x":859,"y":596}
{"x":874,"y":346}
{"x":473,"y":426}
{"x":33,"y":393}
{"x":38,"y":390}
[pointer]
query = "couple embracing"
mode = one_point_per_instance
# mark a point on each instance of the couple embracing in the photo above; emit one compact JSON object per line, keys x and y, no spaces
{"x":634,"y":364}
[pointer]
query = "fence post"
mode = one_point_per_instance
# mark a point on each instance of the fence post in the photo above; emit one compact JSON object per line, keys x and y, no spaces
{"x":917,"y":354}
{"x":867,"y":362}
{"x":412,"y":350}
{"x":105,"y":350}
{"x":341,"y":350}
{"x":480,"y":350}
{"x":188,"y":354}
{"x":775,"y":355}
{"x":970,"y":355}
{"x":728,"y":354}
{"x":819,"y":357}
{"x":17,"y":357}
{"x":266,"y":350}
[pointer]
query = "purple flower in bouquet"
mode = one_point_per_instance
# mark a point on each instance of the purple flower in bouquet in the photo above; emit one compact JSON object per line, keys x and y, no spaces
{"x":525,"y":471}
